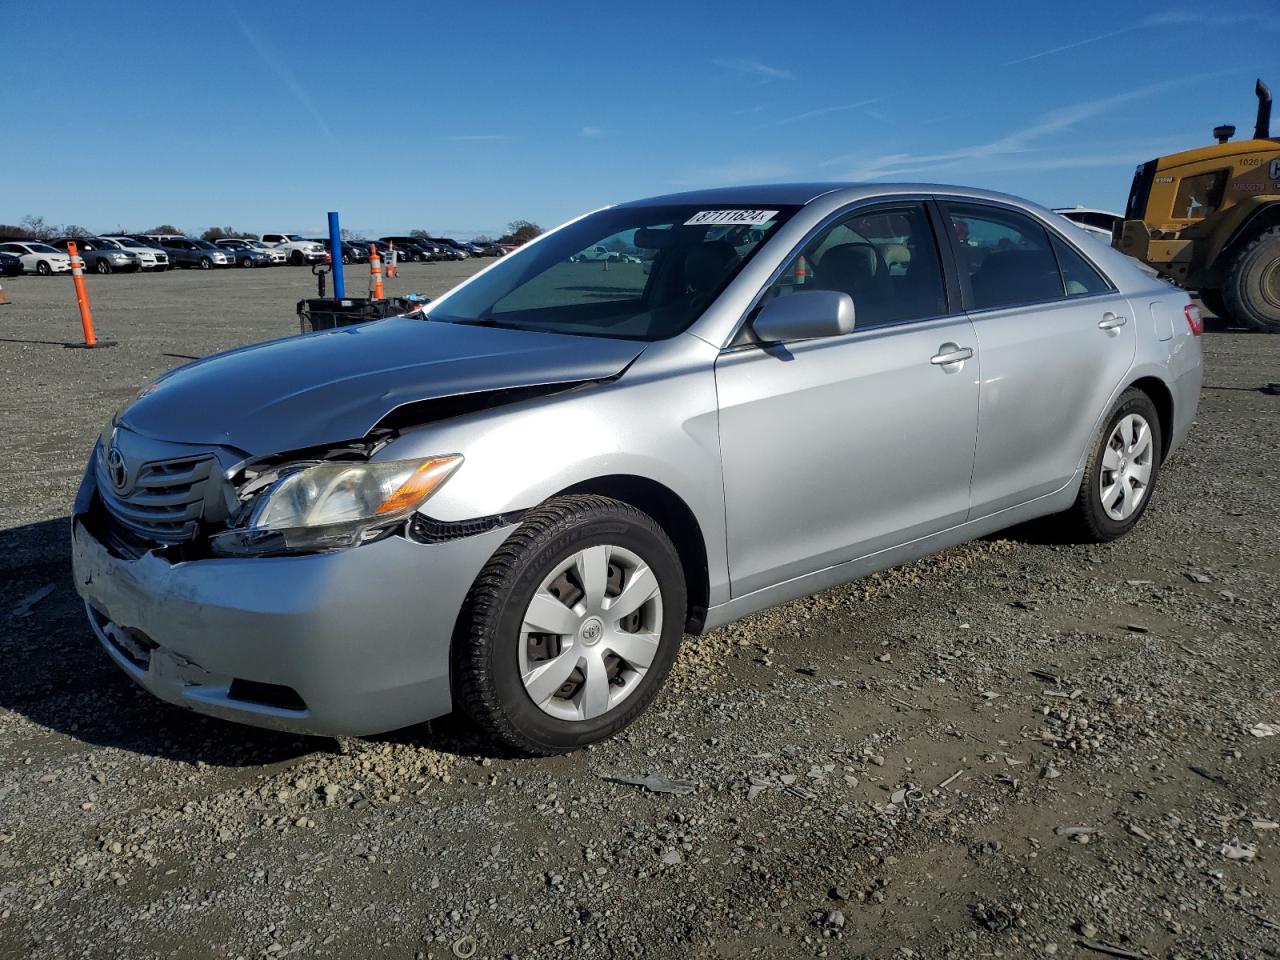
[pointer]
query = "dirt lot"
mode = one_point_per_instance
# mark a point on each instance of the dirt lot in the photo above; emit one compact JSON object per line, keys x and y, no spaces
{"x":1016,"y":748}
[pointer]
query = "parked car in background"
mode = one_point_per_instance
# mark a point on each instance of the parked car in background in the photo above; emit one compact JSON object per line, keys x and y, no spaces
{"x":409,"y":248}
{"x":38,"y":257}
{"x":244,"y":253}
{"x":466,"y":249}
{"x":352,"y":252}
{"x":10,"y":265}
{"x":101,"y":254}
{"x":1097,"y":222}
{"x":150,"y":257}
{"x":442,"y":542}
{"x":489,"y":248}
{"x":298,"y":248}
{"x":276,"y":254}
{"x":189,"y":252}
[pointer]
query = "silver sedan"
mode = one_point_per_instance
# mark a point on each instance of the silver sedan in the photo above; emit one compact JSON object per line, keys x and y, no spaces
{"x":517,"y":503}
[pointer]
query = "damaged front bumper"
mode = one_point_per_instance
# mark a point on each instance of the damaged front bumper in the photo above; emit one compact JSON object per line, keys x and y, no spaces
{"x":351,"y":642}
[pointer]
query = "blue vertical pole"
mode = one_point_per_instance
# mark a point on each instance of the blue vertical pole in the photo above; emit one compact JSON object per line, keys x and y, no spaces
{"x":335,"y":249}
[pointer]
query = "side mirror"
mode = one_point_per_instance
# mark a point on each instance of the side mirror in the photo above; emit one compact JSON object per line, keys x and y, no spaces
{"x":805,"y":315}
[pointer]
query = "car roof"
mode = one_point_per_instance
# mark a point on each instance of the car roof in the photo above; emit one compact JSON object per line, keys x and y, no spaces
{"x":799,"y":194}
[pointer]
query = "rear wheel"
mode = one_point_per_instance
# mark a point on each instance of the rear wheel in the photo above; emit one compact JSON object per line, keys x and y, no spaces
{"x":571,"y":628}
{"x":1120,"y":475}
{"x":1252,"y":290}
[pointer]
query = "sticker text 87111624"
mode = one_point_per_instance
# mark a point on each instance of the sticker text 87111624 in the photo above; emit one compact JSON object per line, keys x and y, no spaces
{"x":730,"y":218}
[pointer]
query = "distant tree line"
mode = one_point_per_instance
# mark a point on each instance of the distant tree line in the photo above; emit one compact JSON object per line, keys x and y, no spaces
{"x":37,"y":228}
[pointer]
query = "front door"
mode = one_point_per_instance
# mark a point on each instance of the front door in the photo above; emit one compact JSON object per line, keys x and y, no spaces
{"x":837,"y":448}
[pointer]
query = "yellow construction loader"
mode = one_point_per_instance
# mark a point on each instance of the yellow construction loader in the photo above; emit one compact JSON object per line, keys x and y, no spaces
{"x":1209,"y":220}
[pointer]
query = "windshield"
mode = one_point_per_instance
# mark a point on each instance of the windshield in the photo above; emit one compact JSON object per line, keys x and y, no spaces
{"x":636,"y":273}
{"x":42,"y":248}
{"x":204,"y":245}
{"x":125,"y":242}
{"x":292,"y":236}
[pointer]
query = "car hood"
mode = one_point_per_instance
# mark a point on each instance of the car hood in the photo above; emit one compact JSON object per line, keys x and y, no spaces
{"x":336,"y":385}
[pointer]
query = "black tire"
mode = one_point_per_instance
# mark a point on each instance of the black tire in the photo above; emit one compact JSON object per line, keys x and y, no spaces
{"x":43,"y":268}
{"x":247,"y":262}
{"x":486,"y":672}
{"x":1252,"y":288}
{"x":206,"y":263}
{"x":1087,"y":520}
{"x":101,"y":265}
{"x":296,"y":258}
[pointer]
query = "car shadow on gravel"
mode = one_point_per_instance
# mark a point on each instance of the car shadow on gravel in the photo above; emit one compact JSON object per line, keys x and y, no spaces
{"x":58,"y":678}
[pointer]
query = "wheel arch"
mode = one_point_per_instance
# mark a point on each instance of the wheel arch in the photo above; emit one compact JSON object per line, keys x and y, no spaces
{"x":675,"y":517}
{"x":1162,"y":397}
{"x":1264,"y":215}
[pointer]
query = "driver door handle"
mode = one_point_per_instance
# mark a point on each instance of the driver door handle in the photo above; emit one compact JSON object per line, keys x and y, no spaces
{"x":950,"y":353}
{"x":1111,"y":321}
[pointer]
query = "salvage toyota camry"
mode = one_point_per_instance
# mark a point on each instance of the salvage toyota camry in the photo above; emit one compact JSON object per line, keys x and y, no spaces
{"x":518,"y":502}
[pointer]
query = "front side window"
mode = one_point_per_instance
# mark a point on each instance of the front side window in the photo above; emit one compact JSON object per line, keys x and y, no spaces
{"x":885,"y":258}
{"x":1006,"y":256}
{"x":638,"y":273}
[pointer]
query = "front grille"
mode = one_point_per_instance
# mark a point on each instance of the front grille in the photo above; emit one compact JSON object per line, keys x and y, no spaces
{"x":165,"y":502}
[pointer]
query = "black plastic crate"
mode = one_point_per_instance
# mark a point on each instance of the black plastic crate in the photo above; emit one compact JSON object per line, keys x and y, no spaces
{"x":328,"y":313}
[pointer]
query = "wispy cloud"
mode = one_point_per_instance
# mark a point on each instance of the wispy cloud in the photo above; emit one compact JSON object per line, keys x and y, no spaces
{"x":740,"y":170}
{"x":1071,"y":46}
{"x":286,"y":75}
{"x":1016,"y":149}
{"x":591,"y":133}
{"x":822,"y":112}
{"x":1165,"y":18}
{"x":754,"y":68}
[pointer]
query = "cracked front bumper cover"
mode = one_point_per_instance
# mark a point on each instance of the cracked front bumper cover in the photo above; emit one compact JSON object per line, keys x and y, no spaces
{"x":362,"y":636}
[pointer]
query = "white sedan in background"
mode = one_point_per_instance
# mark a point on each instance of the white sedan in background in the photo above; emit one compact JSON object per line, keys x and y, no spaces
{"x":38,"y":257}
{"x":1090,"y":220}
{"x":152,"y":258}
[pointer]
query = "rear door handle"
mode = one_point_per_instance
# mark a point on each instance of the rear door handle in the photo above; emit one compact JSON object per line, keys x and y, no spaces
{"x":950,"y":353}
{"x":1111,"y":321}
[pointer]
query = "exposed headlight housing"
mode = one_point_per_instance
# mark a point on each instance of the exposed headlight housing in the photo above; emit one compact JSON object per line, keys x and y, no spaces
{"x":327,"y":506}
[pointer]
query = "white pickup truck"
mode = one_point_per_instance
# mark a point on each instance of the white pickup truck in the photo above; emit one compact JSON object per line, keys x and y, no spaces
{"x":300,"y":250}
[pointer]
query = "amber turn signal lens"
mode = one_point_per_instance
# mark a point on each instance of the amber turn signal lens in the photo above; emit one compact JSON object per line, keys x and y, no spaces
{"x":420,"y":484}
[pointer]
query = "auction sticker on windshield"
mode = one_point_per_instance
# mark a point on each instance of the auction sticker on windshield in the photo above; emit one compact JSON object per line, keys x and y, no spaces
{"x":728,"y":218}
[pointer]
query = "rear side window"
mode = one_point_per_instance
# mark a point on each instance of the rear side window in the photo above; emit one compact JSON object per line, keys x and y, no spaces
{"x":1006,"y":255}
{"x":1078,"y":275}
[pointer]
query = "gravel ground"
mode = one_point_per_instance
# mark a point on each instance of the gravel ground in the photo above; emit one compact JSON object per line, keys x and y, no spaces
{"x":1015,"y":748}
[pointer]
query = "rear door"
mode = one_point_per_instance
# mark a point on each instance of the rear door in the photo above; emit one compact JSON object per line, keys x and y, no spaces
{"x":837,"y":448}
{"x":1056,"y":340}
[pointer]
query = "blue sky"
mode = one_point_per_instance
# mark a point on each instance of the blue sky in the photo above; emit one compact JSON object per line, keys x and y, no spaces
{"x":461,"y":116}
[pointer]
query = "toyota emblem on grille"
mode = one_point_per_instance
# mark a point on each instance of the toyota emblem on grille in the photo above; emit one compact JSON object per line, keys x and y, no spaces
{"x":116,"y":468}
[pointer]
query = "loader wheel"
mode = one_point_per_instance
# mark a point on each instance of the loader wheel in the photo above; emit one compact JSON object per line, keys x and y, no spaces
{"x":1252,"y":290}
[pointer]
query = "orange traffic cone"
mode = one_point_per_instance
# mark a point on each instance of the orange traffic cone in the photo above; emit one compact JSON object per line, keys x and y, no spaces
{"x":375,"y":274}
{"x":802,"y":271}
{"x":3,"y":298}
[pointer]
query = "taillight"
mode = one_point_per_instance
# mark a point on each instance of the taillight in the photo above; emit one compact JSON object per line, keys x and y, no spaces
{"x":1194,"y":320}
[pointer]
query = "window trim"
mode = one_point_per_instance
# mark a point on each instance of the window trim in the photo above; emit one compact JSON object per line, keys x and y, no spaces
{"x":950,"y":279}
{"x":944,"y":202}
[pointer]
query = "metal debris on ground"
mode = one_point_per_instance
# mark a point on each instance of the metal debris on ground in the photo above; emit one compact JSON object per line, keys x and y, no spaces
{"x":23,"y":609}
{"x":654,"y":783}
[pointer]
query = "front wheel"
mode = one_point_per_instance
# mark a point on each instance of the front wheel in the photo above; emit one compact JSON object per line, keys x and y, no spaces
{"x":247,"y":262}
{"x":43,"y":268}
{"x":296,"y":258}
{"x":1120,"y":475}
{"x":102,"y":266}
{"x":571,"y":628}
{"x":206,"y":263}
{"x":1252,"y":289}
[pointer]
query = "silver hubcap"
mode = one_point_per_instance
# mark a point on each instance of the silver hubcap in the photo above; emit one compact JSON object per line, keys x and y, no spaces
{"x":590,"y":633}
{"x":1126,"y":467}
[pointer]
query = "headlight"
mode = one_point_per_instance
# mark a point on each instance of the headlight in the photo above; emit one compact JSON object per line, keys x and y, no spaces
{"x":332,"y":505}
